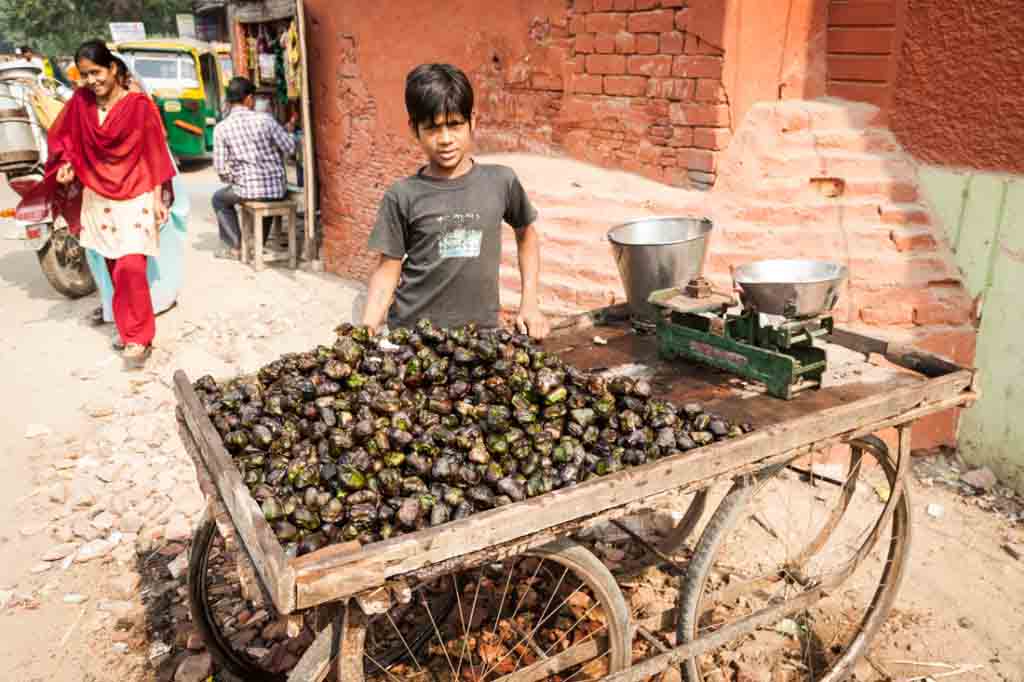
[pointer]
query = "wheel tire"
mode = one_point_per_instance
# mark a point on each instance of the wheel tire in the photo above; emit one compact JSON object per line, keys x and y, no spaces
{"x":726,"y":517}
{"x":198,"y":600}
{"x":599,"y":579}
{"x":219,"y":646}
{"x":64,"y":265}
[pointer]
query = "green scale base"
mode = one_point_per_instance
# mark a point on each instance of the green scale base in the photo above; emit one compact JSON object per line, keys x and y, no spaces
{"x":783,"y":358}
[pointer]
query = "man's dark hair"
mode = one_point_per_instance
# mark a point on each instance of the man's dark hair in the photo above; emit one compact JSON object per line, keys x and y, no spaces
{"x":239,"y":88}
{"x":432,"y":89}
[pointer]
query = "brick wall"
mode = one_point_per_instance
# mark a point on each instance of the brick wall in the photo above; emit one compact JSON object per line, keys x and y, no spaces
{"x":645,"y":94}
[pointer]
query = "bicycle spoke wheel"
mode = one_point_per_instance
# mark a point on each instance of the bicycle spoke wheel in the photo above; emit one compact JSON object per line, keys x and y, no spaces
{"x":554,"y":613}
{"x":778,"y":536}
{"x":243,"y":632}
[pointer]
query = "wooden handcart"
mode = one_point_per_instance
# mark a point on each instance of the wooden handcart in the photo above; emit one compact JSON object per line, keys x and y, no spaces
{"x":746,"y":573}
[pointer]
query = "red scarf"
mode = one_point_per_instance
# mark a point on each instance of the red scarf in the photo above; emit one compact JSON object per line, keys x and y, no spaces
{"x":124,"y":158}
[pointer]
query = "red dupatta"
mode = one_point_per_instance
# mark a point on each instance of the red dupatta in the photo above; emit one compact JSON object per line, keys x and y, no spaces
{"x":124,"y":158}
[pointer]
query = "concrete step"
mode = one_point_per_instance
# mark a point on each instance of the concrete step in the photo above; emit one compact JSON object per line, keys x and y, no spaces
{"x":821,"y":114}
{"x":802,"y":164}
{"x":808,"y":189}
{"x":588,"y":272}
{"x":838,"y":211}
{"x":864,"y":140}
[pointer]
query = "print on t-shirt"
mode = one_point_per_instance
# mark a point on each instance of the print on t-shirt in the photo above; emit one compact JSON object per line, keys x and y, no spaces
{"x":461,"y":235}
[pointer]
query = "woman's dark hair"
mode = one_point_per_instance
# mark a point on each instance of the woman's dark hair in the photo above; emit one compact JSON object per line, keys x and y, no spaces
{"x":97,"y":52}
{"x":432,"y":89}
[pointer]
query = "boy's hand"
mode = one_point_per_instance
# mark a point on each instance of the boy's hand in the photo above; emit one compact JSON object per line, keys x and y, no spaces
{"x":532,"y":321}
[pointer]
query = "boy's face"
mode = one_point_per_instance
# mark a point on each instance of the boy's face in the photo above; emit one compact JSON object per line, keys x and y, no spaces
{"x":446,"y":141}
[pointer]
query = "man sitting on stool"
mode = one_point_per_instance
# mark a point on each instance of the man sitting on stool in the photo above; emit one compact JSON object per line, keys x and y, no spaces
{"x":247,"y":154}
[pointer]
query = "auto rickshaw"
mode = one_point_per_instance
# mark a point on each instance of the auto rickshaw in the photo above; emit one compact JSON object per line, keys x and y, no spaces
{"x":184,"y":77}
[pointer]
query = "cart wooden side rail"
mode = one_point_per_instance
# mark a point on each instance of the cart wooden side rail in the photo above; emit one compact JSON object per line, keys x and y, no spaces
{"x":786,"y":430}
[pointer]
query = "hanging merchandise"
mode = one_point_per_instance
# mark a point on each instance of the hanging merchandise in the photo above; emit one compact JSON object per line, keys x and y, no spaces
{"x":252,"y":50}
{"x":267,"y":66}
{"x":281,"y":89}
{"x":293,"y":61}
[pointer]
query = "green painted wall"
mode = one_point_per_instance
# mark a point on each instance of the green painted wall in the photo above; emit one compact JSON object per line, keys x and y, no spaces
{"x":983,"y":214}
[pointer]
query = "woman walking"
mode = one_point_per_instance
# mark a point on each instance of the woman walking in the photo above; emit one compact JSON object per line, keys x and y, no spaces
{"x":165,"y":274}
{"x":109,"y":175}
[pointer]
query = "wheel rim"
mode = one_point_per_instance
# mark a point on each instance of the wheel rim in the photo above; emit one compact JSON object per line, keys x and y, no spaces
{"x":207,"y":592}
{"x":545,"y":613}
{"x":772,"y":539}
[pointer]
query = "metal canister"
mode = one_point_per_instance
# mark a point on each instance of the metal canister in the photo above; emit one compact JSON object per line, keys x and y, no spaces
{"x":18,"y":145}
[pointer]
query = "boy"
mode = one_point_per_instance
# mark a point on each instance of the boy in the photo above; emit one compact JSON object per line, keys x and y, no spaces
{"x":438,"y":232}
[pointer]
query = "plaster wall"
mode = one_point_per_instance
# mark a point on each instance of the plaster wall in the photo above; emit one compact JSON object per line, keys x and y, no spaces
{"x":776,"y":50}
{"x":959,"y":91}
{"x":983,"y":216}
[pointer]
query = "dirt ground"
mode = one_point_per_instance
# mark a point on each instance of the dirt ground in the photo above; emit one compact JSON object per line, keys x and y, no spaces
{"x":961,"y":604}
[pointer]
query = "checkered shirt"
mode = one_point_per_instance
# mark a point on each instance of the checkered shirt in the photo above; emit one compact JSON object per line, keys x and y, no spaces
{"x":247,"y":149}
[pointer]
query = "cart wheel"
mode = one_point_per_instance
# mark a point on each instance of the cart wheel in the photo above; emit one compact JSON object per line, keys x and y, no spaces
{"x":553,"y":612}
{"x":776,"y":536}
{"x":212,"y":586}
{"x":215,"y":593}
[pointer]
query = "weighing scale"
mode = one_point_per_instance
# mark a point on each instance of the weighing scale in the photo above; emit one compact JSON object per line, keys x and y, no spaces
{"x":784,"y":305}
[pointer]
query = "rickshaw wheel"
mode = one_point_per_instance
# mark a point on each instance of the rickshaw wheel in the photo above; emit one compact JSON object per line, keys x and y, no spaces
{"x":203,"y":600}
{"x":776,"y":526}
{"x":554,"y":612}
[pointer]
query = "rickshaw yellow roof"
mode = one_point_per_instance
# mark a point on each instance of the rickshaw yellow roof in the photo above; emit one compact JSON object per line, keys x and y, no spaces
{"x":188,"y":44}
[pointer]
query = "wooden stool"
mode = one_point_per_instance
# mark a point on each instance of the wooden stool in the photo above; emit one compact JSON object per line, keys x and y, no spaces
{"x":284,"y":213}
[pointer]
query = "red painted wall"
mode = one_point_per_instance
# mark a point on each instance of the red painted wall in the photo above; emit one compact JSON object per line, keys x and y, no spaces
{"x":864,"y":37}
{"x":959,"y":95}
{"x":359,"y":55}
{"x":626,"y":84}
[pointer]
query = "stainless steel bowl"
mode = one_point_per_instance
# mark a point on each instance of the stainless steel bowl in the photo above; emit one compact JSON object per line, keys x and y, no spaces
{"x":792,"y":288}
{"x":658,"y":253}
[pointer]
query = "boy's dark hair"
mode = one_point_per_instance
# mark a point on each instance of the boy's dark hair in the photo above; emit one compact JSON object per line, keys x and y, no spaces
{"x":432,"y":89}
{"x":239,"y":88}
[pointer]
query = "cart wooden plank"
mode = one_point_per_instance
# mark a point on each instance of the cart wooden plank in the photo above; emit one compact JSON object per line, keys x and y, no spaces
{"x":255,"y":534}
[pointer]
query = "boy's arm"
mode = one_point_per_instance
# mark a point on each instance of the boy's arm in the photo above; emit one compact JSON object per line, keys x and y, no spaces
{"x":383,"y":283}
{"x":530,"y":319}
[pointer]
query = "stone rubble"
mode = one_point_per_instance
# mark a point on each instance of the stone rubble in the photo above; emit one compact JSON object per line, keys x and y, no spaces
{"x":125,"y":497}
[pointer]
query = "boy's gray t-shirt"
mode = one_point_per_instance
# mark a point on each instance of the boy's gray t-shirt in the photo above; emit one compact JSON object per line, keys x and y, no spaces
{"x":449,"y":231}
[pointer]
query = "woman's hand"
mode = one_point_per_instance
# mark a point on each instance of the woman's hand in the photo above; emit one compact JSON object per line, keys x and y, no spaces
{"x":66,"y":174}
{"x":160,"y":212}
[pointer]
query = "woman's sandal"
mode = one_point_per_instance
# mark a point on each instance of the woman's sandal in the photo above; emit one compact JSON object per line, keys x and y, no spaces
{"x":135,"y":354}
{"x":95,"y":318}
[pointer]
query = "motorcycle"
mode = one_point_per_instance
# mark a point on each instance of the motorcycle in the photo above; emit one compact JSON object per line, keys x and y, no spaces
{"x":61,"y":258}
